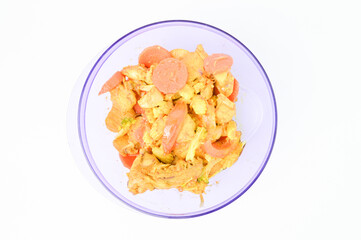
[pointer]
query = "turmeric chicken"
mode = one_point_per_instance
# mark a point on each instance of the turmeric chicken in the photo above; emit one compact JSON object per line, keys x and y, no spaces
{"x":172,"y":116}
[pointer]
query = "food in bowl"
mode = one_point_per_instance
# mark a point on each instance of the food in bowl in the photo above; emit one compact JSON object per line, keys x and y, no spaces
{"x":172,"y":115}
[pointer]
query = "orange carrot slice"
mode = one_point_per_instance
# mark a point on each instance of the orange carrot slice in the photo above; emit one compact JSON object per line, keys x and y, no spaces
{"x":170,"y":75}
{"x":152,"y":55}
{"x":112,"y":83}
{"x":234,"y":94}
{"x":220,"y":148}
{"x":173,"y":126}
{"x":217,"y":63}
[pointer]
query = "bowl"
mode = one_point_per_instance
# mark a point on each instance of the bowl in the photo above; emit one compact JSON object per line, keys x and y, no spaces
{"x":256,"y":117}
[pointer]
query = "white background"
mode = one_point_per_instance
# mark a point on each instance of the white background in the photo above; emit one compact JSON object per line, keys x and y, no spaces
{"x":311,"y":187}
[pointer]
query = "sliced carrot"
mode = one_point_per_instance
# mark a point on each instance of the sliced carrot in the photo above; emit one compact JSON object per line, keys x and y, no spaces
{"x":173,"y":126}
{"x":217,"y":63}
{"x":220,"y":148}
{"x":128,"y":160}
{"x":234,"y":94}
{"x":170,"y":75}
{"x":152,"y":55}
{"x":112,"y":83}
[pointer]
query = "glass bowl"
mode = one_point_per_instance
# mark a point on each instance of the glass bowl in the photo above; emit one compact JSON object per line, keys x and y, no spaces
{"x":256,"y":117}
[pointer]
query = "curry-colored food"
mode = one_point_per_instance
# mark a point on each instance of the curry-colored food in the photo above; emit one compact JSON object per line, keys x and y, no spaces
{"x":172,"y":115}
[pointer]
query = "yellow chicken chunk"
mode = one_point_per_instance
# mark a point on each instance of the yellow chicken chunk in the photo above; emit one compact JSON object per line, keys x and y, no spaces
{"x":156,"y":131}
{"x":187,"y":93}
{"x":179,"y":53}
{"x":199,"y":105}
{"x":122,"y":98}
{"x":225,"y":109}
{"x":151,"y":99}
{"x":194,"y":65}
{"x":200,"y":51}
{"x":188,"y":130}
{"x":163,"y":109}
{"x":224,"y":83}
{"x":135,"y":72}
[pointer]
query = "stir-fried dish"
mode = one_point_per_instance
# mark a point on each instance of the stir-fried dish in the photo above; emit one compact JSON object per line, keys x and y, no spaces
{"x":172,"y":115}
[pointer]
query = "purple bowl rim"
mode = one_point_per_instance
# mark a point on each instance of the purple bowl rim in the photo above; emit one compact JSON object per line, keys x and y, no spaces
{"x":226,"y":202}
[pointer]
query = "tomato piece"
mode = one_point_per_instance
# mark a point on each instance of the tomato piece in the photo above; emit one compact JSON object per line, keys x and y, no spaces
{"x":220,"y":148}
{"x":138,"y":109}
{"x":173,"y":126}
{"x":152,"y":55}
{"x":112,"y":83}
{"x":137,"y":130}
{"x":128,"y":160}
{"x":217,"y":63}
{"x":234,"y":94}
{"x":170,"y":75}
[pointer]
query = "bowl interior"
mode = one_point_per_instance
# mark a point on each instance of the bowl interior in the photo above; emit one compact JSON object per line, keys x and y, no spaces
{"x":256,"y":118}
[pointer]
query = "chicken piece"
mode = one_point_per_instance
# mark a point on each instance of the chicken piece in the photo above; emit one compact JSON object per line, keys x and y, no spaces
{"x":163,"y":109}
{"x":207,"y":92}
{"x":151,"y":99}
{"x":179,"y":53}
{"x":159,"y":153}
{"x":208,"y":120}
{"x":199,"y":84}
{"x":210,"y":162}
{"x":146,"y":88}
{"x":199,"y":105}
{"x":124,"y":147}
{"x":135,"y":72}
{"x":187,"y":131}
{"x":200,"y":135}
{"x":147,"y":173}
{"x":114,"y":120}
{"x":129,"y":85}
{"x":149,"y":74}
{"x":126,"y":123}
{"x":194,"y":65}
{"x":187,"y":92}
{"x":225,"y":109}
{"x":181,"y":149}
{"x":156,"y":131}
{"x":200,"y":51}
{"x":231,"y":130}
{"x":224,"y":83}
{"x":122,"y":98}
{"x":198,"y":87}
{"x":149,"y":115}
{"x":216,"y":133}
